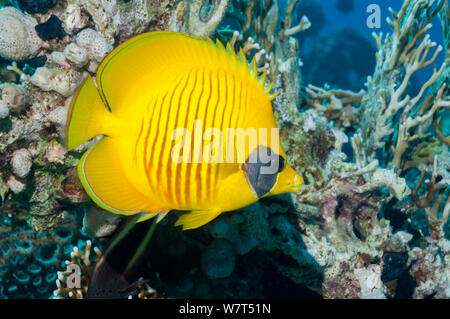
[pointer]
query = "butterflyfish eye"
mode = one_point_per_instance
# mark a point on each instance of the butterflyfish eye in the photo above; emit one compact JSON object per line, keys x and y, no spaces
{"x":281,"y":163}
{"x":262,"y":168}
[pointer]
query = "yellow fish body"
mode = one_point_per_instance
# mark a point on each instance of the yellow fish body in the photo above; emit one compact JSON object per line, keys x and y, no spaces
{"x":167,"y":105}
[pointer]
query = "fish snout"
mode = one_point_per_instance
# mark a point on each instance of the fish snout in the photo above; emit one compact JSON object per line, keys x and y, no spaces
{"x":290,"y":182}
{"x":293,"y":185}
{"x":296,"y":182}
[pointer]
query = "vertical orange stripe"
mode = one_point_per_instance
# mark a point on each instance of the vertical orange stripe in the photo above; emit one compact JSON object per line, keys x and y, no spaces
{"x":198,"y":181}
{"x":164,"y":163}
{"x":146,"y":143}
{"x":137,"y":141}
{"x":184,"y":182}
{"x":240,"y":105}
{"x":153,"y":165}
{"x":233,"y":110}
{"x":244,"y":104}
{"x":188,"y":182}
{"x":205,"y":184}
{"x":173,"y":180}
{"x":226,"y":107}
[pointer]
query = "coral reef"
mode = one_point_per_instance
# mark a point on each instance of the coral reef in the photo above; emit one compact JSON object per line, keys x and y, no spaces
{"x":73,"y":283}
{"x":50,"y":29}
{"x":371,"y":220}
{"x":390,"y":122}
{"x":18,"y":38}
{"x":80,"y":264}
{"x":29,"y":260}
{"x":41,"y":6}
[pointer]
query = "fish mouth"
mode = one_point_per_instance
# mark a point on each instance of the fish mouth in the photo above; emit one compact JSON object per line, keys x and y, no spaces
{"x":295,"y":185}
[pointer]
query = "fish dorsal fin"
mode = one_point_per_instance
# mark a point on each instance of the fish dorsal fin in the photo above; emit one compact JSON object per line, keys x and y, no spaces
{"x":262,"y":79}
{"x":230,"y":50}
{"x":253,"y":68}
{"x":241,"y":56}
{"x":208,"y":39}
{"x":268,"y":87}
{"x":197,"y":218}
{"x":141,"y":66}
{"x":220,"y":45}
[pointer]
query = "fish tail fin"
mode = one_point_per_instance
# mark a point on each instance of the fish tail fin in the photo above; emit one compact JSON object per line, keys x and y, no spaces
{"x":87,"y":114}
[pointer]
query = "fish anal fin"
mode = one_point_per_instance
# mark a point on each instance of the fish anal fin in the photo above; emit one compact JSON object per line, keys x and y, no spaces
{"x":197,"y":218}
{"x":102,"y":174}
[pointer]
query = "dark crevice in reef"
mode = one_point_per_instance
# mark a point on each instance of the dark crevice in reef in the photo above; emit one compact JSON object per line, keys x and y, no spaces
{"x":279,"y":286}
{"x":405,"y":286}
{"x":397,"y":218}
{"x":415,"y":224}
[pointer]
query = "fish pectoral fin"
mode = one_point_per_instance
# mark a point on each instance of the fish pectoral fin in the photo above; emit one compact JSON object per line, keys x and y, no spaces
{"x":197,"y":218}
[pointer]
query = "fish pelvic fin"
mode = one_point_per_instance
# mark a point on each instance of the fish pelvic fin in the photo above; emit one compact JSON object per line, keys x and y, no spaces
{"x":160,"y":214}
{"x":197,"y":218}
{"x":86,"y":116}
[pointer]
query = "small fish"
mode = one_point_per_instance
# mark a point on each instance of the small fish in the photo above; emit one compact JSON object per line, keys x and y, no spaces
{"x":144,"y":92}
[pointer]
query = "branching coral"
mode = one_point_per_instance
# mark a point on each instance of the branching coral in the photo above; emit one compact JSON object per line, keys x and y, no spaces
{"x":203,"y":18}
{"x":73,"y":283}
{"x":335,"y":104}
{"x":398,"y":58}
{"x":261,"y":20}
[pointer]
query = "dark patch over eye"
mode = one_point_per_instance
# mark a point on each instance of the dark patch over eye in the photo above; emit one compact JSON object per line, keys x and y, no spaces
{"x":262,"y":168}
{"x":281,"y":163}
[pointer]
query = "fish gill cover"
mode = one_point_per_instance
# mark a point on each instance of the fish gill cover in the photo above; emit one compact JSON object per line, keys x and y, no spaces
{"x":364,"y":120}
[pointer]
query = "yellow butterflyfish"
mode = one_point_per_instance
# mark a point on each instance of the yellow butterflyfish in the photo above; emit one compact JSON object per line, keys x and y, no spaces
{"x":186,"y":125}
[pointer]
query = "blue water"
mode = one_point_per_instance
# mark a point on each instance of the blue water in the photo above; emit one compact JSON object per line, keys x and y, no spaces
{"x":357,"y":20}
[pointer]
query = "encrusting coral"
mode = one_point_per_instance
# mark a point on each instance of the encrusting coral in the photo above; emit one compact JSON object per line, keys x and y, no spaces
{"x":367,"y":158}
{"x":18,"y":38}
{"x":29,"y":260}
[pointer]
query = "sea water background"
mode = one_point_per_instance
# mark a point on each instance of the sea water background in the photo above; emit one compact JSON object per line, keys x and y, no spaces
{"x":357,"y":20}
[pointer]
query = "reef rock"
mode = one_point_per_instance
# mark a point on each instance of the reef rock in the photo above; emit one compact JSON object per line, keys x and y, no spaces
{"x":21,"y":162}
{"x":18,"y":38}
